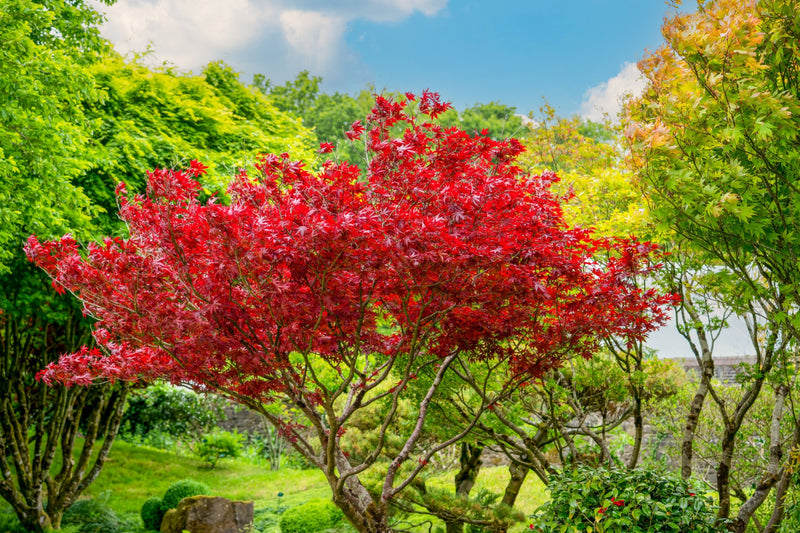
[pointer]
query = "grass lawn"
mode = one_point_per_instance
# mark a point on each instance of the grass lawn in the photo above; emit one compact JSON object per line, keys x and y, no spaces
{"x":133,"y":473}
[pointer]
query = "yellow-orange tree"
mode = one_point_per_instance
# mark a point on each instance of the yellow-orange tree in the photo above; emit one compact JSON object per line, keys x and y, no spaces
{"x":714,"y":143}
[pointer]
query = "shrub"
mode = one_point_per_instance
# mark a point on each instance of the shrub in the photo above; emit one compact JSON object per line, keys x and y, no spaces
{"x":624,"y":501}
{"x":217,"y":445}
{"x":179,"y":490}
{"x":9,"y":523}
{"x":152,"y":513}
{"x":165,"y":413}
{"x":93,"y":516}
{"x":311,"y":517}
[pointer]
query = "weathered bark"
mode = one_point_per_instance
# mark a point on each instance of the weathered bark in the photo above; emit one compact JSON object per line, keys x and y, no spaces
{"x":703,"y":351}
{"x":765,"y":358}
{"x":692,"y":419}
{"x":638,"y":426}
{"x":773,"y":473}
{"x":780,"y":493}
{"x":727,"y":445}
{"x":470,"y":465}
{"x":327,"y":417}
{"x":518,"y":473}
{"x":360,"y":509}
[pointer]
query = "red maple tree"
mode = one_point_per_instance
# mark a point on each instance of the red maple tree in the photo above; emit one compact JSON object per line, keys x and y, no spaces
{"x":335,"y":290}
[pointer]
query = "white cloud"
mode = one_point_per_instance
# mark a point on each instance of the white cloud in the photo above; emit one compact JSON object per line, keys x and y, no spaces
{"x":287,"y":35}
{"x":315,"y":37}
{"x":607,"y":97}
{"x":187,"y":33}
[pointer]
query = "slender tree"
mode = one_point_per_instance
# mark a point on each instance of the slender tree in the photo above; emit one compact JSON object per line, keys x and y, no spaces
{"x":714,"y":143}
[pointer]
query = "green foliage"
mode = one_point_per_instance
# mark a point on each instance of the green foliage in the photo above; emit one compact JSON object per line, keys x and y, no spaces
{"x":311,"y":517}
{"x":175,"y":411}
{"x":45,"y":86}
{"x":296,"y":96}
{"x":218,"y":445}
{"x":624,"y":501}
{"x":714,"y":140}
{"x":93,"y":515}
{"x":160,"y":118}
{"x":791,"y":517}
{"x":179,"y":490}
{"x":297,"y":461}
{"x":495,"y":120}
{"x":152,"y":513}
{"x":481,"y":510}
{"x":9,"y":523}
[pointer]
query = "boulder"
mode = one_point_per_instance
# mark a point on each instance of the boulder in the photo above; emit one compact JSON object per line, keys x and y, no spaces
{"x":209,"y":514}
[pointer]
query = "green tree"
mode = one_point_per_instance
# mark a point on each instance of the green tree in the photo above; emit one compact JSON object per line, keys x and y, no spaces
{"x":714,"y":142}
{"x":46,"y":49}
{"x":44,"y":86}
{"x":161,"y":118}
{"x":76,"y":120}
{"x":495,"y":119}
{"x":298,"y":96}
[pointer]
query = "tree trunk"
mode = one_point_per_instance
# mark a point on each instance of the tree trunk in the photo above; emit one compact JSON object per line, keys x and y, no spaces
{"x":773,"y":473}
{"x":518,"y":474}
{"x":724,"y":471}
{"x":360,"y":509}
{"x":692,"y":419}
{"x":706,"y":362}
{"x":470,"y":465}
{"x":638,"y":424}
{"x":36,"y":521}
{"x":777,"y":512}
{"x":40,"y":424}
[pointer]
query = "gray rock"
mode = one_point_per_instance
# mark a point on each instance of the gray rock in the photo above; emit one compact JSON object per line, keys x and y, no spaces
{"x":209,"y":514}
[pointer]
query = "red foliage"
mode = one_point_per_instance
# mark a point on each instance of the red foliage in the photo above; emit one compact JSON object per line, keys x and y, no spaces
{"x":444,"y":245}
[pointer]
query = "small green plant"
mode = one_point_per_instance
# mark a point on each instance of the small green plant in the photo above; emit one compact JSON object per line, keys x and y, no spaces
{"x":179,"y":490}
{"x":624,"y":501}
{"x":311,"y":517}
{"x":152,"y":513}
{"x":217,"y":445}
{"x":9,"y":523}
{"x":93,"y":516}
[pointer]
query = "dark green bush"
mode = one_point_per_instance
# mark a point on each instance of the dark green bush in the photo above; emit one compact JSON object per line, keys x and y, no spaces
{"x":162,"y":410}
{"x":179,"y":490}
{"x":93,"y":516}
{"x":624,"y":501}
{"x":218,"y":445}
{"x":311,"y":517}
{"x":152,"y":513}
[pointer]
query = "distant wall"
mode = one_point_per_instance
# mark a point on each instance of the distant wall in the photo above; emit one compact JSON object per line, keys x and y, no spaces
{"x":725,"y":368}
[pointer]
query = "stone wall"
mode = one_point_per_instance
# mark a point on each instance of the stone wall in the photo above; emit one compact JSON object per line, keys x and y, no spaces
{"x":725,"y":368}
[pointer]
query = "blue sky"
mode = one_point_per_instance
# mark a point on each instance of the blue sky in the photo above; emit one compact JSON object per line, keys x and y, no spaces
{"x":578,"y":54}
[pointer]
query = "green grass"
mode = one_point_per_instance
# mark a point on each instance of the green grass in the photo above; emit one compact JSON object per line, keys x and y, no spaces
{"x":531,"y":496}
{"x":134,"y":473}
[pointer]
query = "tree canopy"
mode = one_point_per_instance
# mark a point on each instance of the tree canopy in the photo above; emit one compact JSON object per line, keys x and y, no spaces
{"x":319,"y":288}
{"x":44,"y":85}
